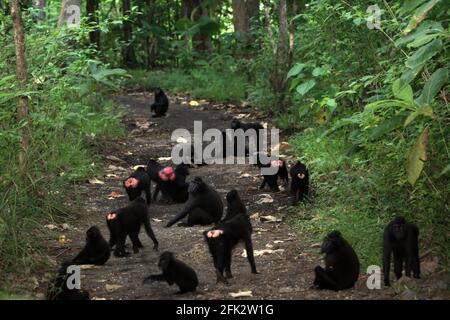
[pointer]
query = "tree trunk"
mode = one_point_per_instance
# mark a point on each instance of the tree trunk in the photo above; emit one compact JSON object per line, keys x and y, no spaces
{"x":201,"y":42}
{"x":295,"y":10}
{"x":243,"y":14}
{"x":94,"y":34}
{"x":278,"y":78}
{"x":39,"y":6}
{"x":21,"y":71}
{"x":150,"y":41}
{"x":129,"y":56}
{"x":241,"y":19}
{"x":69,"y":13}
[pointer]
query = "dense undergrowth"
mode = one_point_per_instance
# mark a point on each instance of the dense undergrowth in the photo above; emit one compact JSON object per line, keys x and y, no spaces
{"x":68,"y":111}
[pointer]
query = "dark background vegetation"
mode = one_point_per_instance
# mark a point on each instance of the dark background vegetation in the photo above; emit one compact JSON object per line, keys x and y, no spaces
{"x":367,"y":108}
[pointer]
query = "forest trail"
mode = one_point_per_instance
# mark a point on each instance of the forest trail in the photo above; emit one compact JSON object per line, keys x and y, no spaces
{"x":286,"y":273}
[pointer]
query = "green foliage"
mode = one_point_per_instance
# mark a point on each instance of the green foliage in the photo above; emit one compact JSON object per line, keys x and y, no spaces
{"x":67,"y":112}
{"x":215,"y":79}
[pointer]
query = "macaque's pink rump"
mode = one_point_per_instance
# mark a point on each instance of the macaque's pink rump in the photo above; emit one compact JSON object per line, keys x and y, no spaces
{"x":214,"y":233}
{"x":276,"y":163}
{"x":131,"y":183}
{"x":111,"y":216}
{"x":167,"y":174}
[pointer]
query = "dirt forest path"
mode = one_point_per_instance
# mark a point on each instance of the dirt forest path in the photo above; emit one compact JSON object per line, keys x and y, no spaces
{"x":286,"y":273}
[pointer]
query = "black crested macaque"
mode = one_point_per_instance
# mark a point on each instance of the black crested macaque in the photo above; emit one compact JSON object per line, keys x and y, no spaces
{"x":401,"y":239}
{"x":272,"y":179}
{"x":173,"y":183}
{"x":224,"y":237}
{"x":155,"y":171}
{"x":137,"y":182}
{"x":58,"y":290}
{"x":341,"y":264}
{"x":227,"y":141}
{"x":299,"y":182}
{"x":161,"y":103}
{"x":237,"y":124}
{"x":175,"y":271}
{"x":96,"y":251}
{"x":204,"y":205}
{"x":127,"y":222}
{"x":235,"y":205}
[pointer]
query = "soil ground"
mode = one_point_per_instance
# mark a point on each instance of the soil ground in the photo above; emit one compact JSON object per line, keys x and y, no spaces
{"x":286,"y":273}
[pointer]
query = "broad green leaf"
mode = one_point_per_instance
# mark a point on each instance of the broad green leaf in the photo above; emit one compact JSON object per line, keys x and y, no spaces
{"x":303,"y":110}
{"x":410,"y":5}
{"x":318,"y":72}
{"x":416,"y":158}
{"x":424,"y":54}
{"x":387,"y":126}
{"x":426,"y":28}
{"x":295,"y":70}
{"x":432,"y":86}
{"x":374,"y":106}
{"x":419,"y":15}
{"x":411,"y":118}
{"x":425,"y":111}
{"x":331,"y":103}
{"x":410,"y":74}
{"x":305,"y":87}
{"x":422,"y":41}
{"x":405,"y":93}
{"x":445,"y":171}
{"x":294,"y":84}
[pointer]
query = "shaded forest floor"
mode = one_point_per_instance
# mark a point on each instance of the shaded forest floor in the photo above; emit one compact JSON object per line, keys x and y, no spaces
{"x":284,"y":273}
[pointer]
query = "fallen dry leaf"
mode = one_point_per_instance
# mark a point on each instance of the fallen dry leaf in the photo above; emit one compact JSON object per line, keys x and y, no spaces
{"x":194,"y":103}
{"x":51,"y":226}
{"x":269,"y":218}
{"x":88,"y":266}
{"x":95,"y":181}
{"x":114,"y":195}
{"x":241,"y":294}
{"x":258,"y":253}
{"x":63,"y":240}
{"x":143,"y":125}
{"x":98,"y":298}
{"x":112,"y":287}
{"x":265,"y":198}
{"x":156,"y":220}
{"x":65,"y":226}
{"x":114,"y":158}
{"x":255,"y":216}
{"x":244,"y":175}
